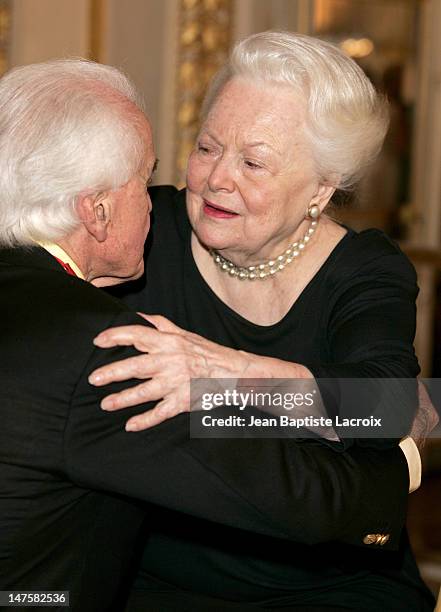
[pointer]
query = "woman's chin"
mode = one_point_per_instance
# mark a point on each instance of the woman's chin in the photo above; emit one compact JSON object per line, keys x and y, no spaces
{"x":213,"y":245}
{"x":212,"y":240}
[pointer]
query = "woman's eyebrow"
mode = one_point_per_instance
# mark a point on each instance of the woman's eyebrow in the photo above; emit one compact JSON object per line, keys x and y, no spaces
{"x":205,"y":132}
{"x":266,"y":145}
{"x":252,"y":144}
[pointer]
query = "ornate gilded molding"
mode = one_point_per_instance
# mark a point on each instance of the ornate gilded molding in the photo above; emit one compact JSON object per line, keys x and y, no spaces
{"x":205,"y":32}
{"x":5,"y":29}
{"x":97,"y":18}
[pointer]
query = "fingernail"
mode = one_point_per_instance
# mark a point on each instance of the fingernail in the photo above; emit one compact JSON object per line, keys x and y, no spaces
{"x":131,"y":426}
{"x":106,"y":404}
{"x":95,"y":379}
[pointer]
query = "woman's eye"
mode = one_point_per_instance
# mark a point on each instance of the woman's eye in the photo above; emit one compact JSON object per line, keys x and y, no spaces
{"x":252,"y":164}
{"x":204,"y":149}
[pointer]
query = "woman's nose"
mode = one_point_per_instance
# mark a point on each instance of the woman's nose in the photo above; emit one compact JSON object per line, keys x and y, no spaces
{"x":221,"y":176}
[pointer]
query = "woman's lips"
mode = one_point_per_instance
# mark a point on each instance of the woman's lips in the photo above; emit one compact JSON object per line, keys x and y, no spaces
{"x":217,"y":211}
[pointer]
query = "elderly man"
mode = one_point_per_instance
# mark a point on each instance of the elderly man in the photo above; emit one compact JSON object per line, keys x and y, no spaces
{"x":76,"y":155}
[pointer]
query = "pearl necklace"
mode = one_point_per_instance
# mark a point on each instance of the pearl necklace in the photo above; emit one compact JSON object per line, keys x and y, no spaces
{"x":268,"y":268}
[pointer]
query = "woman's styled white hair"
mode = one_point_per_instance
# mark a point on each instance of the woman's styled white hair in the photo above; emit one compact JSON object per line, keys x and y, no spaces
{"x":347,"y":118}
{"x":67,"y":127}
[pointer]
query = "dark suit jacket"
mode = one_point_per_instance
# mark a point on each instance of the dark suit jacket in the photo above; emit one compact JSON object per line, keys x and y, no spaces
{"x":67,"y":469}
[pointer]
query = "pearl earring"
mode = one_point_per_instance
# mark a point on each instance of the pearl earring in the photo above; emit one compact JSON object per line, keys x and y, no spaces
{"x":313,"y":212}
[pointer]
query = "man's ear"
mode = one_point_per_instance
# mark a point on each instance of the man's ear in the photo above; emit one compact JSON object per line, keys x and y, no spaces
{"x":94,"y":212}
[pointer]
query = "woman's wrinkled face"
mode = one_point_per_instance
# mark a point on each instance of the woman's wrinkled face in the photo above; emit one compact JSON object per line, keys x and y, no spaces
{"x":251,"y":175}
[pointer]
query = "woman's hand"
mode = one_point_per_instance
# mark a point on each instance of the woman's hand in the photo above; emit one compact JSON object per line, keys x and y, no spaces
{"x":171,"y":358}
{"x":426,"y":418}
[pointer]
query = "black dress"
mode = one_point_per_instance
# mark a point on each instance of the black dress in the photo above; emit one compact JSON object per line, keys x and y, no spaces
{"x":356,"y":318}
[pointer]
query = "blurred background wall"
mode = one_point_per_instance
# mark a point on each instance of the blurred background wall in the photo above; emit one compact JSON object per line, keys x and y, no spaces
{"x":171,"y":48}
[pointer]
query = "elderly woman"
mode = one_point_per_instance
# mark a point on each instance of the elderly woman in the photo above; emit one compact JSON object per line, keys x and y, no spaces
{"x":269,"y":285}
{"x":69,"y":224}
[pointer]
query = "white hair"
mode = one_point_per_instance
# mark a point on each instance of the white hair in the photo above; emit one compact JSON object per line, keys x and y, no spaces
{"x":67,"y":127}
{"x":347,"y":119}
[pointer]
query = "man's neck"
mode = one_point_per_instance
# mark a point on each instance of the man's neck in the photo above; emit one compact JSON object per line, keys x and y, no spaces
{"x":62,"y":255}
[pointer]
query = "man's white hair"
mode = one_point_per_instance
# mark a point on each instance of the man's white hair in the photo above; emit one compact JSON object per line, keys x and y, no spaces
{"x":67,"y":127}
{"x":347,"y":119}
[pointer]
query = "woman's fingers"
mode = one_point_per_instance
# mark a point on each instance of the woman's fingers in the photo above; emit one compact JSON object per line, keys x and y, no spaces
{"x":425,"y":419}
{"x":168,"y":408}
{"x":149,"y":391}
{"x":140,"y":366}
{"x":126,"y":335}
{"x":161,"y":323}
{"x":170,"y":358}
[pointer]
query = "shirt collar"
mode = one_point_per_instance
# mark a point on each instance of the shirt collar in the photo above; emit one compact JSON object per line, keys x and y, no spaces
{"x":60,"y":253}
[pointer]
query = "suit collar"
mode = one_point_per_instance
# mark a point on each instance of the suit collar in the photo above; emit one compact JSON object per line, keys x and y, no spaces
{"x":30,"y":257}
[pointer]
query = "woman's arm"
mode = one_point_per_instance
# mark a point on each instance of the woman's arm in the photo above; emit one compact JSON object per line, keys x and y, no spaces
{"x":274,"y":487}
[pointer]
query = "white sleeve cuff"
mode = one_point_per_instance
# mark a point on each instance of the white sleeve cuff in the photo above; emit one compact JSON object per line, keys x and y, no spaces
{"x":413,"y":459}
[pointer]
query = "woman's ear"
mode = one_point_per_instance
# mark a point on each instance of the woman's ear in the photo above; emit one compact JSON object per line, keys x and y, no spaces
{"x":323,"y":195}
{"x":94,"y":213}
{"x":324,"y":192}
